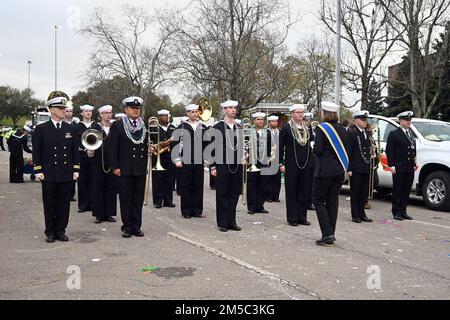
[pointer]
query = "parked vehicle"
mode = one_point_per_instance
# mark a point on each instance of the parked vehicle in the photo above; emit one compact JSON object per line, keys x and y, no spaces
{"x":432,"y":176}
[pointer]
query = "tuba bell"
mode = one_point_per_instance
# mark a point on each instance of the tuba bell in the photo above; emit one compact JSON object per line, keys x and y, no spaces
{"x":91,"y":139}
{"x":204,"y":109}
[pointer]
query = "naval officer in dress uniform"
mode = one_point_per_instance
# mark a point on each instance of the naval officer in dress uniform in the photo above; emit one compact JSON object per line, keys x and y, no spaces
{"x":359,"y":165}
{"x":127,"y":149}
{"x":56,"y":164}
{"x":273,"y":182}
{"x":401,"y":156}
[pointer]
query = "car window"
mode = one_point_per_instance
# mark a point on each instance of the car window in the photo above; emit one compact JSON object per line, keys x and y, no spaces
{"x":434,"y":131}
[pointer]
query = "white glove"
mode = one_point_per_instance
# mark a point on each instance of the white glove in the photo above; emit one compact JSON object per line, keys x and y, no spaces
{"x":90,"y":153}
{"x":75,"y":175}
{"x":40,"y":176}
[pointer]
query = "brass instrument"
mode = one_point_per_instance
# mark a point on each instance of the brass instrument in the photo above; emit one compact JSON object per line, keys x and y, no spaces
{"x":153,"y":123}
{"x":204,"y":109}
{"x":91,"y":139}
{"x":246,"y":136}
{"x":374,"y":150}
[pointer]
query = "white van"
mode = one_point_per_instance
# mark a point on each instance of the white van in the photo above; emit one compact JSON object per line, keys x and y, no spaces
{"x":432,"y":177}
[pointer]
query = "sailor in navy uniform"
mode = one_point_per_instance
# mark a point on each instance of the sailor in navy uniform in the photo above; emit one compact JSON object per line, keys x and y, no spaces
{"x":273,"y":182}
{"x":128,"y":150}
{"x":359,"y":165}
{"x":104,"y":203}
{"x":17,"y":143}
{"x":401,"y":156}
{"x":85,"y":192}
{"x":295,"y":155}
{"x":163,"y":182}
{"x":329,"y":171}
{"x":189,"y":146}
{"x":56,"y":164}
{"x":227,"y":166}
{"x":260,"y":144}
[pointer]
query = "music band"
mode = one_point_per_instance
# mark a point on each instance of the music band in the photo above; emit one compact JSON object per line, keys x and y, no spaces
{"x":246,"y":160}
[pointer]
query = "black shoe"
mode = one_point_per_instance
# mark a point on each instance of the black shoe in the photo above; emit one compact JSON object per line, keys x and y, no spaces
{"x":186,"y":217}
{"x":305,"y":223}
{"x":223,"y":229}
{"x":50,"y":239}
{"x":98,"y":220}
{"x":170,"y":205}
{"x":111,"y":219}
{"x":63,"y":238}
{"x":357,"y":220}
{"x":158,"y":206}
{"x":294,"y":224}
{"x":311,"y":207}
{"x":366,"y":219}
{"x":327,"y":241}
{"x":126,"y":235}
{"x":80,"y":210}
{"x":263,"y":211}
{"x":198,"y":216}
{"x":405,"y":216}
{"x":250,"y":212}
{"x":235,"y":228}
{"x":398,"y":217}
{"x":269,"y":201}
{"x":276,"y":200}
{"x":138,"y":234}
{"x":73,"y":199}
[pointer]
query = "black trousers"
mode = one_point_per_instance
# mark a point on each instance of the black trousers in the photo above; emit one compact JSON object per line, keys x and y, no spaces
{"x":131,"y":195}
{"x":191,"y":178}
{"x":228,"y":190}
{"x":56,"y":198}
{"x":15,"y":168}
{"x":255,"y":192}
{"x":212,"y":182}
{"x":162,"y":186}
{"x":402,"y":184}
{"x":1,"y":144}
{"x":359,"y":190}
{"x":326,"y":201}
{"x":310,"y":182}
{"x":104,"y":201}
{"x":85,"y":192}
{"x":297,"y":193}
{"x":272,"y":185}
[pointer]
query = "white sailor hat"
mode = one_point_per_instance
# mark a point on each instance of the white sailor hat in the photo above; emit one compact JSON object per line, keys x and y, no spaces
{"x":133,"y":102}
{"x":106,"y":108}
{"x":191,"y":107}
{"x":297,"y":106}
{"x":59,"y":102}
{"x":258,"y":115}
{"x":363,"y":114}
{"x":87,"y":107}
{"x":69,"y":106}
{"x":28,"y":127}
{"x":238,"y":121}
{"x":330,"y":106}
{"x":272,"y":118}
{"x":405,"y":115}
{"x":163,"y":112}
{"x":308,"y":116}
{"x":184,"y":119}
{"x":229,"y":103}
{"x":120,"y":115}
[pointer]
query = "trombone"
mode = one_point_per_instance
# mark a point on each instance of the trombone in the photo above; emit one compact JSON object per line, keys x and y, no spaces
{"x":374,"y":155}
{"x":153,"y":123}
{"x":204,"y":109}
{"x":246,"y":144}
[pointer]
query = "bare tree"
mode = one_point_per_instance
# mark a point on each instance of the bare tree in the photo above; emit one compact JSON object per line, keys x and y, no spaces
{"x":122,"y":50}
{"x":231,"y":48}
{"x":418,"y":22}
{"x":369,"y":37}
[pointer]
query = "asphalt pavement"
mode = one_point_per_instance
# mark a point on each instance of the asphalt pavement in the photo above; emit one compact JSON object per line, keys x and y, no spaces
{"x":191,"y":259}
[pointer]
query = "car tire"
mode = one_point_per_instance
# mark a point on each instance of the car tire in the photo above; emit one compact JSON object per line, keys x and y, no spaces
{"x":436,"y":191}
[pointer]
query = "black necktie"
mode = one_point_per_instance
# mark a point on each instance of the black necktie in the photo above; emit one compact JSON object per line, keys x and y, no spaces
{"x":134,"y":123}
{"x":58,"y":126}
{"x":408,"y":134}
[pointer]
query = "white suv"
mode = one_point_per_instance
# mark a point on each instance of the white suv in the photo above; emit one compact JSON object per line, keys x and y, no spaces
{"x":432,"y":177}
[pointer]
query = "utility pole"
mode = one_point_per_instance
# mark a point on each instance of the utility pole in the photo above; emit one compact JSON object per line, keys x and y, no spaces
{"x":337,"y":82}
